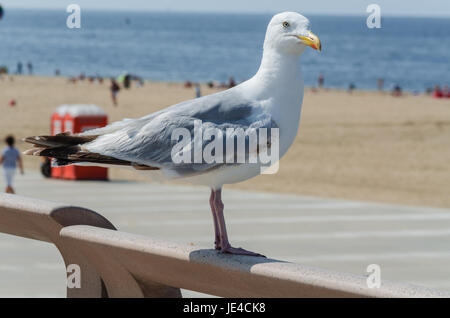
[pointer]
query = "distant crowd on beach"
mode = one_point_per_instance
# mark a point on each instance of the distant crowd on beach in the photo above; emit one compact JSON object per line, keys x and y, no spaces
{"x":214,"y":84}
{"x":126,"y":79}
{"x":437,"y":92}
{"x":211,"y":84}
{"x":4,"y":70}
{"x":19,"y":70}
{"x":396,"y":90}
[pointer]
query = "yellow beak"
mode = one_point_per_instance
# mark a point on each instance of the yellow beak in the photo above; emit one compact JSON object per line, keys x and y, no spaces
{"x":311,"y":40}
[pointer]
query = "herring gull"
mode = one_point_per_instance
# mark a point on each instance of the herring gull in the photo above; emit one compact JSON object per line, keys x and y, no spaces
{"x":271,"y":99}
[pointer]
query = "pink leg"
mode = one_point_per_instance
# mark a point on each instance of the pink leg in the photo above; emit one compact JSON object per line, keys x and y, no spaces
{"x":225,"y":246}
{"x":216,"y":224}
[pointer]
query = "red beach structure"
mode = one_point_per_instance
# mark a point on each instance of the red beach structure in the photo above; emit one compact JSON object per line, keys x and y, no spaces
{"x":75,"y":119}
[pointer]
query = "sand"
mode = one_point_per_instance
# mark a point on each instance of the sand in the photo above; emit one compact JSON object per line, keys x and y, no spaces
{"x":363,"y":146}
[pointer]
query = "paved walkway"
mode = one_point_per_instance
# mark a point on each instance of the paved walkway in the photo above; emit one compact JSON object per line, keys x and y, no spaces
{"x":411,"y":244}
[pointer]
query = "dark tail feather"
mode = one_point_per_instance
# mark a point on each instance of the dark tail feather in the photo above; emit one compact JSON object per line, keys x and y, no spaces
{"x":66,"y":149}
{"x":59,"y":140}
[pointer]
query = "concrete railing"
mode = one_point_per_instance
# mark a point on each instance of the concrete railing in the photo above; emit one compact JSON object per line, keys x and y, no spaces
{"x":117,"y":264}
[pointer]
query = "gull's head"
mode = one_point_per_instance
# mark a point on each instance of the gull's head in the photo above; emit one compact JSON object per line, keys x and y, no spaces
{"x":289,"y":33}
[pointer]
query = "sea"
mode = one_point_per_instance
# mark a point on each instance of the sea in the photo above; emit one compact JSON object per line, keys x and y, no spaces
{"x":413,"y":53}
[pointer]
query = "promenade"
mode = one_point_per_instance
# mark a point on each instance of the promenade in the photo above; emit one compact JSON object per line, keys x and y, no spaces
{"x":411,"y":244}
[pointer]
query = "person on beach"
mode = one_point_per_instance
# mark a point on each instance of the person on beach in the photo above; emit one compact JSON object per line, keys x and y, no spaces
{"x":114,"y":88}
{"x":30,"y":68}
{"x":231,"y":82}
{"x":380,"y":84}
{"x":198,"y":92}
{"x":9,"y":159}
{"x":351,"y":88}
{"x":127,"y":81}
{"x":19,"y":68}
{"x":397,"y":91}
{"x":321,"y":80}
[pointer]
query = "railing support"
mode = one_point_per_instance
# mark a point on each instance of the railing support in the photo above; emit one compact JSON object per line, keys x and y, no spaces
{"x":42,"y":220}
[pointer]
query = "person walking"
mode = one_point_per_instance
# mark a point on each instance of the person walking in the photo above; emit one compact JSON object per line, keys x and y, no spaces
{"x":9,"y":159}
{"x":114,"y":89}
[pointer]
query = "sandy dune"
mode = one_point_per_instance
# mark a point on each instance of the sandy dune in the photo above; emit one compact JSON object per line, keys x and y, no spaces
{"x":364,"y":146}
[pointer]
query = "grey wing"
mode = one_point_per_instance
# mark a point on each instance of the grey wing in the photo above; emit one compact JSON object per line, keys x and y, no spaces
{"x":161,"y":139}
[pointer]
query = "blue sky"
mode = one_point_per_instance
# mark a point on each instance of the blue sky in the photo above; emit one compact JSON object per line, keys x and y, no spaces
{"x":353,"y":7}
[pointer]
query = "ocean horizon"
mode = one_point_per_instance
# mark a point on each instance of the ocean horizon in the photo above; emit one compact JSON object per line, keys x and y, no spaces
{"x":172,"y":46}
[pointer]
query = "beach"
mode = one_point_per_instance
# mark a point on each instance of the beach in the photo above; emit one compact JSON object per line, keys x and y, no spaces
{"x":366,"y":146}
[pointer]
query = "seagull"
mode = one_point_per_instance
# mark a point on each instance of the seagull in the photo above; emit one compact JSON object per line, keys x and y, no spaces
{"x":272,"y":98}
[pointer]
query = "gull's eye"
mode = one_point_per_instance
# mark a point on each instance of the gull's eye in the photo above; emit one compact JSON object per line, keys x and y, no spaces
{"x":286,"y":24}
